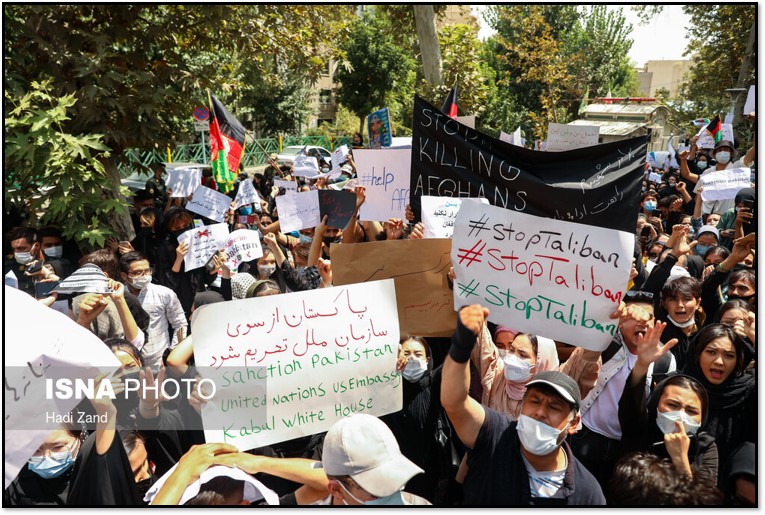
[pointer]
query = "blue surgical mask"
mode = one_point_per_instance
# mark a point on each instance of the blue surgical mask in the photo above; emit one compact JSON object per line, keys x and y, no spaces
{"x":394,"y":499}
{"x":702,"y":165}
{"x":722,"y":157}
{"x":702,"y":249}
{"x":245,"y":211}
{"x":305,"y":239}
{"x":54,"y":252}
{"x":649,"y":205}
{"x":49,"y":468}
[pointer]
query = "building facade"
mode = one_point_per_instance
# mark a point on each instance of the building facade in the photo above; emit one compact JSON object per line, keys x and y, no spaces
{"x":668,"y":75}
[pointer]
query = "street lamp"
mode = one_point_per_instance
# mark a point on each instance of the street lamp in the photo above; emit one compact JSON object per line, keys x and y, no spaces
{"x":733,"y":93}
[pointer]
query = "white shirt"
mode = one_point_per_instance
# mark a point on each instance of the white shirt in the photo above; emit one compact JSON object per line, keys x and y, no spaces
{"x":719,"y":206}
{"x":163,"y":307}
{"x":546,"y":484}
{"x":603,"y":415}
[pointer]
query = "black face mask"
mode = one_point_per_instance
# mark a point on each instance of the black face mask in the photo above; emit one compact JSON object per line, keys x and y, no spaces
{"x":329,"y":240}
{"x":175,"y":234}
{"x":146,"y":484}
{"x":126,"y":405}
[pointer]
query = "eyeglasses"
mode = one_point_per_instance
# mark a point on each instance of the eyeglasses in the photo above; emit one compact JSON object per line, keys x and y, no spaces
{"x":58,"y":453}
{"x":140,"y":273}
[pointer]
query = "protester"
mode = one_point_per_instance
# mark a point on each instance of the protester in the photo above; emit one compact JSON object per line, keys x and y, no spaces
{"x":156,"y":186}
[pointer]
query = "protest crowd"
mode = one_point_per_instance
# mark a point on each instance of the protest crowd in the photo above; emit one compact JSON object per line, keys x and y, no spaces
{"x":657,"y":407}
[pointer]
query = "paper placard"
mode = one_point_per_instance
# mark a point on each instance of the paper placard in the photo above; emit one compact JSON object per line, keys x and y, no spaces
{"x":339,"y":157}
{"x":11,"y":280}
{"x":751,"y":97}
{"x":658,"y":159}
{"x":514,"y":138}
{"x":468,"y":120}
{"x":183,"y":181}
{"x":548,"y":277}
{"x":324,"y":354}
{"x":289,"y":186}
{"x":569,"y":137}
{"x":209,"y":203}
{"x":654,"y":177}
{"x":305,"y":165}
{"x":203,"y":243}
{"x":338,"y":206}
{"x":439,"y":213}
{"x":724,"y":184}
{"x":386,"y":177}
{"x":298,"y":211}
{"x":38,"y":343}
{"x":707,"y":141}
{"x":241,"y":246}
{"x":247,"y":195}
{"x":419,"y":267}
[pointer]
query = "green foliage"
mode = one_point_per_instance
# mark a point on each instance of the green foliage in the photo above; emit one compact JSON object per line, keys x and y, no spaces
{"x":374,"y":66}
{"x":56,"y":174}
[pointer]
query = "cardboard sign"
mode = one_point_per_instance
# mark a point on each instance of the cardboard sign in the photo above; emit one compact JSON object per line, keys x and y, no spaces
{"x":209,"y":203}
{"x":298,"y":211}
{"x":439,"y":213}
{"x":707,"y":141}
{"x":203,"y":244}
{"x":386,"y":177}
{"x":419,"y":268}
{"x":569,"y":137}
{"x":378,"y":125}
{"x":182,"y":182}
{"x":39,"y":344}
{"x":724,"y":184}
{"x":548,"y":277}
{"x":241,"y":246}
{"x":324,"y":354}
{"x":247,"y":195}
{"x":304,"y":165}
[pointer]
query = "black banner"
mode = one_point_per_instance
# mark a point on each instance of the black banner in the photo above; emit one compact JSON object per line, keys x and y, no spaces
{"x":597,"y":185}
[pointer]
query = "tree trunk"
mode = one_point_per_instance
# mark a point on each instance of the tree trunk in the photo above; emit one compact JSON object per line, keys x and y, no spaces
{"x":120,"y":222}
{"x":425,"y":19}
{"x":361,"y":124}
{"x":747,"y":62}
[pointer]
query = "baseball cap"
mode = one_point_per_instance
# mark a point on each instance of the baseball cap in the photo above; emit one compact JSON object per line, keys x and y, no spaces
{"x":708,"y":228}
{"x":561,"y":383}
{"x":724,"y":143}
{"x":363,"y":447}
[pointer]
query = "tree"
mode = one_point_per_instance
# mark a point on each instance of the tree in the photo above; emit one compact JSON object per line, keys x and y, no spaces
{"x":375,"y":66}
{"x":425,"y":20}
{"x":137,"y":70}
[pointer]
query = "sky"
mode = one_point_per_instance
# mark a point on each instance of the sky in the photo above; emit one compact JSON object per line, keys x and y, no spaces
{"x":662,"y":39}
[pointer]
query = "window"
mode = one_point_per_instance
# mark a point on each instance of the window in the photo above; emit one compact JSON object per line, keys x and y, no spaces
{"x":325,"y":96}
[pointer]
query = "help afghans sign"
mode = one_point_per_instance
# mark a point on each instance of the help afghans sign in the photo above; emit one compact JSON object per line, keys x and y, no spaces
{"x":597,"y":185}
{"x":548,"y":277}
{"x":292,"y":365}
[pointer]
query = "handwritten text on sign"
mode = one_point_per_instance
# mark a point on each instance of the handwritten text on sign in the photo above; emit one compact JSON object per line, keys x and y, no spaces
{"x":707,"y":141}
{"x":439,"y":214}
{"x":203,"y":243}
{"x":209,"y":203}
{"x":548,"y":277}
{"x":325,"y":354}
{"x":386,"y":177}
{"x":570,"y":137}
{"x":242,"y":245}
{"x":724,"y":184}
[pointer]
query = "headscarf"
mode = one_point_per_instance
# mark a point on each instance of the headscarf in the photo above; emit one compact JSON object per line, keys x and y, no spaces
{"x":207,"y":297}
{"x":547,"y":359}
{"x":240,"y":283}
{"x":744,"y":194}
{"x":502,"y":329}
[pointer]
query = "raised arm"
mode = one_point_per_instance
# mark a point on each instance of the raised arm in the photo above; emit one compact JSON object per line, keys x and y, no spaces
{"x":685,"y":172}
{"x":465,"y":413}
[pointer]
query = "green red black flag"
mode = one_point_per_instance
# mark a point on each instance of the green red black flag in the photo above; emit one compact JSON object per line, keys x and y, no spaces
{"x":450,"y":104}
{"x":226,"y":144}
{"x":715,"y":128}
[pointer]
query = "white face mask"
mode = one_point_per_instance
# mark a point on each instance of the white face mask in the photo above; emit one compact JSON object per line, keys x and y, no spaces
{"x":666,"y":422}
{"x":502,"y":353}
{"x":396,"y":498}
{"x":54,"y":252}
{"x":516,"y":369}
{"x":702,"y":165}
{"x":537,"y":437}
{"x":140,"y":283}
{"x":684,"y":325}
{"x":23,"y":258}
{"x":414,"y":370}
{"x":722,"y":157}
{"x":266,"y":270}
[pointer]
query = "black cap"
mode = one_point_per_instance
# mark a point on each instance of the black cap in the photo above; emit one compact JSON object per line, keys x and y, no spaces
{"x":561,"y":383}
{"x":141,"y":195}
{"x":724,"y":143}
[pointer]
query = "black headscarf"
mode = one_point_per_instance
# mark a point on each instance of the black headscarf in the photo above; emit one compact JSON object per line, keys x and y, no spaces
{"x":207,"y":297}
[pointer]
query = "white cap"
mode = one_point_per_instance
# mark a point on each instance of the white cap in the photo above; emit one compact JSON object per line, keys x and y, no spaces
{"x":364,"y":448}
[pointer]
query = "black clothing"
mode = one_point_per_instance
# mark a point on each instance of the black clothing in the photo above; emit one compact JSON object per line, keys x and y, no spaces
{"x":26,"y":283}
{"x":158,"y":189}
{"x":497,"y":474}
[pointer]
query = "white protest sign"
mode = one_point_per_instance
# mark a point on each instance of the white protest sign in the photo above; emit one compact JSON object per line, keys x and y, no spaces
{"x":570,"y":137}
{"x":508,"y":138}
{"x":439,"y":213}
{"x":183,"y":181}
{"x":386,"y":177}
{"x":304,"y":165}
{"x":548,"y":277}
{"x":241,"y":246}
{"x":324,"y":354}
{"x":289,"y":186}
{"x":298,"y":211}
{"x":209,"y":203}
{"x":751,"y":97}
{"x":514,"y":138}
{"x":11,"y":280}
{"x":657,"y":159}
{"x":41,"y":343}
{"x":707,"y":141}
{"x":724,"y":184}
{"x":338,"y":157}
{"x":203,"y":243}
{"x":654,"y":177}
{"x":246,"y":194}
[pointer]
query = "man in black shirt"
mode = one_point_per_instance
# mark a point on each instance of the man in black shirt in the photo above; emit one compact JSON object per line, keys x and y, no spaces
{"x":515,"y":463}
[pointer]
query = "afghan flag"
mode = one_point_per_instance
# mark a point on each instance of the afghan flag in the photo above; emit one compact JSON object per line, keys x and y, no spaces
{"x":226,"y":144}
{"x":715,"y":128}
{"x":700,"y":122}
{"x":450,"y":104}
